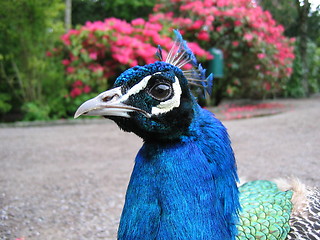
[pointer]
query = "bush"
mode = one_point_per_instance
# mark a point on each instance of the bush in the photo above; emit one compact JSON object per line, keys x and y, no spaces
{"x":294,"y":87}
{"x":28,"y":29}
{"x":258,"y":58}
{"x":96,"y":53}
{"x":5,"y":105}
{"x":314,"y":67}
{"x":128,"y":10}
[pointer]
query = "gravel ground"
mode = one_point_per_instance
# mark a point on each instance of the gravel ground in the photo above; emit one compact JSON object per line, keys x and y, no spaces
{"x":69,"y":181}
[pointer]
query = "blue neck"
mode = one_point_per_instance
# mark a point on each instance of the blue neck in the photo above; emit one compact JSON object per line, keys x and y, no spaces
{"x":184,"y":190}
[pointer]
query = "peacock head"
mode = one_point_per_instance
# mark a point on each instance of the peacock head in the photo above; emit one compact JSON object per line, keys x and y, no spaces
{"x":153,"y":101}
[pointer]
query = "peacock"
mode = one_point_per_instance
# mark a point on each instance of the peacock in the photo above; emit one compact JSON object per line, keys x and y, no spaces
{"x":184,"y":184}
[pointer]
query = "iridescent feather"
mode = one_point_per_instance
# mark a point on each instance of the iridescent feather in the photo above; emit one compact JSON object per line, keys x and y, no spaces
{"x":180,"y":55}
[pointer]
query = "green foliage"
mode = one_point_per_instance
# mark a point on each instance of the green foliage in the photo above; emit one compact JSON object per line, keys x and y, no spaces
{"x":314,"y":25}
{"x":54,"y":88}
{"x":5,"y":105}
{"x":285,"y":13}
{"x":35,"y":111}
{"x":314,"y":67}
{"x":302,"y":22}
{"x":87,"y":10}
{"x":29,"y":28}
{"x":294,"y":87}
{"x":129,"y":9}
{"x":93,"y":10}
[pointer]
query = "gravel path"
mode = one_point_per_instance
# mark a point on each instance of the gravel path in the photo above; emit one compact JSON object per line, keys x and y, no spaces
{"x":69,"y":181}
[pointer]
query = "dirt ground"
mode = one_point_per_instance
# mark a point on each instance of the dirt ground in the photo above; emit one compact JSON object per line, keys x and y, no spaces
{"x":68,"y":181}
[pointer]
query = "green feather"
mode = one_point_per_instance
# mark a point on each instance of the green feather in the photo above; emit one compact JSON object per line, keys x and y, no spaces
{"x":265,"y":211}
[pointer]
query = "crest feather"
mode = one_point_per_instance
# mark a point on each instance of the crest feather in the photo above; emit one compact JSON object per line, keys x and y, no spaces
{"x":179,"y":55}
{"x":159,"y":53}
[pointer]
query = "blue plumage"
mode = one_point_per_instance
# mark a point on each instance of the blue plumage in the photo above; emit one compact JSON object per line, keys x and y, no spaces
{"x":183,"y":185}
{"x":177,"y":190}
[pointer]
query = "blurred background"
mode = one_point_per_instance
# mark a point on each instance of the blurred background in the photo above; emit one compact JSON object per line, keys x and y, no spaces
{"x":56,"y":54}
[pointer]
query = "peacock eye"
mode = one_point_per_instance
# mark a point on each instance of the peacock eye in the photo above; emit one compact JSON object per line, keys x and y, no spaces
{"x":161,"y":91}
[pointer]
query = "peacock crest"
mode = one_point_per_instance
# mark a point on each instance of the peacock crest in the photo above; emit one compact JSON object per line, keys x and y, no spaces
{"x":179,"y":56}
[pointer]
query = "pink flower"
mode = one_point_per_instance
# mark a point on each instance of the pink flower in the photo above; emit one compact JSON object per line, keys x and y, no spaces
{"x":203,"y":36}
{"x":248,"y":37}
{"x":209,"y":20}
{"x":229,"y":91}
{"x":65,"y":62}
{"x":48,"y":54}
{"x":77,"y":83}
{"x":219,"y":29}
{"x":261,"y":55}
{"x":267,"y":86}
{"x":93,"y":55}
{"x":198,"y":51}
{"x":197,"y":24}
{"x":73,"y":32}
{"x":157,"y":7}
{"x":66,"y":39}
{"x":75,"y":92}
{"x":121,"y":57}
{"x":95,"y":68}
{"x":235,"y":43}
{"x":73,"y":57}
{"x":70,"y":70}
{"x":187,"y":66}
{"x":138,"y":21}
{"x":133,"y":63}
{"x":237,"y":23}
{"x":86,"y":89}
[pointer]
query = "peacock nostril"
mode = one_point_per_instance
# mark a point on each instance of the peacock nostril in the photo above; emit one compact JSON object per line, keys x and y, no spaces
{"x":109,"y":98}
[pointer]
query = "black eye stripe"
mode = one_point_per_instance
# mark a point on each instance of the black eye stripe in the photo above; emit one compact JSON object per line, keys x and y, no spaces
{"x":158,"y":79}
{"x":124,"y":89}
{"x":153,"y":79}
{"x":157,"y":86}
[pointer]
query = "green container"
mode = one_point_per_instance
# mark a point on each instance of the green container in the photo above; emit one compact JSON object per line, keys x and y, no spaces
{"x":216,"y":64}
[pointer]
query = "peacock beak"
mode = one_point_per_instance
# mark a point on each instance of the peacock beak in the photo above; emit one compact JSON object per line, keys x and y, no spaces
{"x":107,"y":103}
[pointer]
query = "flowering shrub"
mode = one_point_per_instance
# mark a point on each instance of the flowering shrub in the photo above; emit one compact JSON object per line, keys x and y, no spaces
{"x":258,"y":57}
{"x":96,"y":53}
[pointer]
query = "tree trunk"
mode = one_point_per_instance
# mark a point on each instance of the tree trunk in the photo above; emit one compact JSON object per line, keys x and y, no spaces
{"x":303,"y":11}
{"x":67,"y":17}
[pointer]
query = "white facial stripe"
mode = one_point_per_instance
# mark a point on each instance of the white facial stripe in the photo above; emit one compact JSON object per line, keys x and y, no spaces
{"x":168,"y":105}
{"x":136,"y":88}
